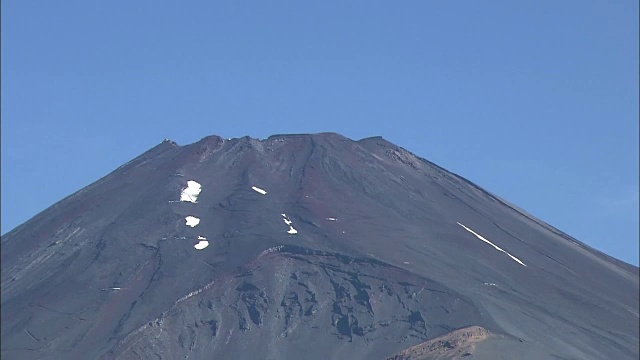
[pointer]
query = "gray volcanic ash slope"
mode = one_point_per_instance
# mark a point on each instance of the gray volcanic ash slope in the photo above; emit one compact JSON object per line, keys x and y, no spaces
{"x":304,"y":246}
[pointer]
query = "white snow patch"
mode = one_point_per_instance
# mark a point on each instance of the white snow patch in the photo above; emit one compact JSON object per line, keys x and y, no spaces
{"x":492,"y":244}
{"x":286,"y":220}
{"x":257,"y":189}
{"x":192,"y":221}
{"x":292,"y":230}
{"x":332,"y":219}
{"x":191,"y":192}
{"x":201,"y":244}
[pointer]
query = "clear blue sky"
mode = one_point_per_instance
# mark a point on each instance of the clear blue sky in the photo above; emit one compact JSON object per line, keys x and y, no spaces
{"x":536,"y":101}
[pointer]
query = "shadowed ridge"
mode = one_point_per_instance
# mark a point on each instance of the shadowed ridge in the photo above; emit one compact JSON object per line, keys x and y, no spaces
{"x":209,"y":145}
{"x":375,"y":139}
{"x":211,"y":139}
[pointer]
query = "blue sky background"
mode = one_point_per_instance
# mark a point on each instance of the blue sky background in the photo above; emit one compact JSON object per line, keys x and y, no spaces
{"x":537,"y":101}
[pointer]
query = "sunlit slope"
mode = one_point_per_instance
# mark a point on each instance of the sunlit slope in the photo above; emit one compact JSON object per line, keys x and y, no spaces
{"x":303,"y":246}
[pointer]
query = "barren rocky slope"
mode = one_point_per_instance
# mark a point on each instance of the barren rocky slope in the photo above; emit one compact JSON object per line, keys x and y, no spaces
{"x":304,"y":246}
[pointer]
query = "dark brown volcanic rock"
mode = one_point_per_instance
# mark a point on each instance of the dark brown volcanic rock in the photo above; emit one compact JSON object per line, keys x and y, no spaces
{"x":457,"y":344}
{"x":388,"y":254}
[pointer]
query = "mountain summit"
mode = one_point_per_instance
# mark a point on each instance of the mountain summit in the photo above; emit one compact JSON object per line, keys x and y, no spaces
{"x":304,"y":247}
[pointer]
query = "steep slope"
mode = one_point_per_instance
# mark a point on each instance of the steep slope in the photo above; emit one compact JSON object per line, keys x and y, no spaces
{"x":311,"y":246}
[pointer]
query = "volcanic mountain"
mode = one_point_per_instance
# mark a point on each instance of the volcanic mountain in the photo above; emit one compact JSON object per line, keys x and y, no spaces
{"x":304,"y":247}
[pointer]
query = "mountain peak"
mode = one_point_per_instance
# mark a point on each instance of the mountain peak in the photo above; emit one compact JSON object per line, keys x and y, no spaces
{"x":304,"y":245}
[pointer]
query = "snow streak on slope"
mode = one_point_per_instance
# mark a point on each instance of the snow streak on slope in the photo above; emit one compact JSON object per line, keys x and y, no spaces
{"x":287,"y":221}
{"x":257,"y":189}
{"x":492,"y":244}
